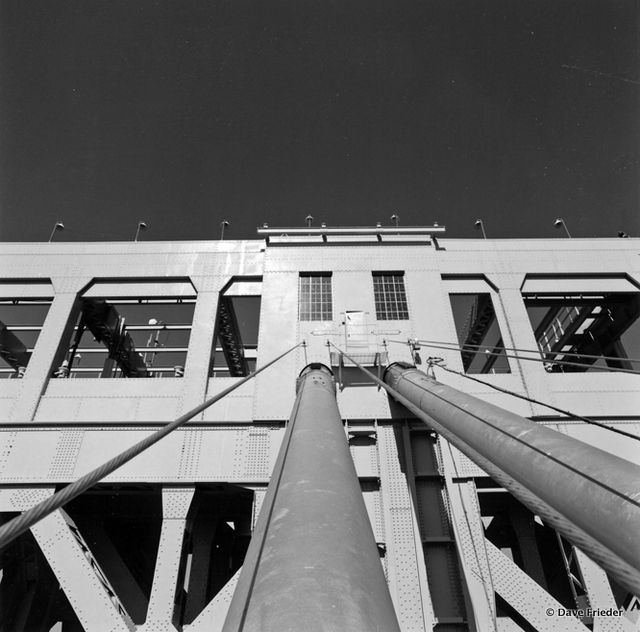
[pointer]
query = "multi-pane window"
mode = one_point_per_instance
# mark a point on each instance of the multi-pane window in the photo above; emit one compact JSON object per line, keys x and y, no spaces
{"x":390,"y":296}
{"x":315,"y":300}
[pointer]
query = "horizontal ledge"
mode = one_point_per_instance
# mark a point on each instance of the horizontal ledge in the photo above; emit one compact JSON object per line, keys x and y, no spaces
{"x":353,"y":230}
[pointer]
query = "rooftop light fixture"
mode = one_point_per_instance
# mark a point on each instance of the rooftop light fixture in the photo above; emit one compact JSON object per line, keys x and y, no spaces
{"x":223,"y":224}
{"x":56,"y":227}
{"x":560,"y":222}
{"x":479,"y":224}
{"x":395,"y":218}
{"x":141,"y":226}
{"x":309,"y":219}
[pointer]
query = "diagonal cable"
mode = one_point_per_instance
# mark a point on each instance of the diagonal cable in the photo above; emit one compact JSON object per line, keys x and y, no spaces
{"x":456,"y":347}
{"x":27,"y":519}
{"x":619,"y":568}
{"x":535,"y":401}
{"x":534,"y":351}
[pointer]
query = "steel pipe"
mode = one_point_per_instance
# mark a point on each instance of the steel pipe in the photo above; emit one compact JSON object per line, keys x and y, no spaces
{"x":313,"y":563}
{"x":594,"y":490}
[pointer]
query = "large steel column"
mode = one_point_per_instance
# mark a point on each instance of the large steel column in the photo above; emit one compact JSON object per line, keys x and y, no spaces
{"x":594,"y":490}
{"x":313,"y":563}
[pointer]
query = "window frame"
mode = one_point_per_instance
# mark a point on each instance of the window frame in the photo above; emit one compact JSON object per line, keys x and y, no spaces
{"x":390,"y":295}
{"x":323,"y":292}
{"x":139,"y":345}
{"x":17,"y":331}
{"x":472,"y":352}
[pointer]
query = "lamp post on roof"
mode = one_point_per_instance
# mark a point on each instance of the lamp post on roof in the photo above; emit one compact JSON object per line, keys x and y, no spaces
{"x":58,"y":226}
{"x":560,"y":222}
{"x":223,"y":224}
{"x":395,"y":218}
{"x":141,"y":227}
{"x":479,"y":224}
{"x":309,"y":219}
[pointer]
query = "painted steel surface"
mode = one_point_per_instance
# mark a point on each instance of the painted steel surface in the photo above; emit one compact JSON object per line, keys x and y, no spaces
{"x":313,"y":563}
{"x":54,"y":430}
{"x":584,"y":484}
{"x":19,"y":524}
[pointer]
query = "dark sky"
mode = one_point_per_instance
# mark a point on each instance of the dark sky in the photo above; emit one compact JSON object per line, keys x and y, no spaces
{"x":183,"y":113}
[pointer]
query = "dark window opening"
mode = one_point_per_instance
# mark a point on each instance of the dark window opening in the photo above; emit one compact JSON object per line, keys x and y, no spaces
{"x":315,"y":300}
{"x":592,"y":330}
{"x":479,"y":336}
{"x":236,"y":336}
{"x":390,"y":296}
{"x":141,"y":337}
{"x":21,"y":321}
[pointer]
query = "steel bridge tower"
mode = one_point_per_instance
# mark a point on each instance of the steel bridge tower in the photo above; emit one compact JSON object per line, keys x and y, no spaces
{"x":446,"y":439}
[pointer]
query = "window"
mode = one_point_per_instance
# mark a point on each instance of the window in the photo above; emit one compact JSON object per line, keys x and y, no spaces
{"x":21,"y":321}
{"x":479,"y":336}
{"x":390,"y":296}
{"x":120,"y":335}
{"x":235,"y":348}
{"x":579,"y":332}
{"x":315,"y":302}
{"x":24,"y":306}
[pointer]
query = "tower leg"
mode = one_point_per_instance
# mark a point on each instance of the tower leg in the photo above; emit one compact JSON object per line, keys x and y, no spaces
{"x":313,"y":563}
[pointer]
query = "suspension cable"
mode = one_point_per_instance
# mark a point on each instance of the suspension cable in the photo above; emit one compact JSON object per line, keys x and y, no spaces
{"x":456,"y":347}
{"x":27,"y":519}
{"x":620,"y":569}
{"x":438,"y":362}
{"x":536,"y":351}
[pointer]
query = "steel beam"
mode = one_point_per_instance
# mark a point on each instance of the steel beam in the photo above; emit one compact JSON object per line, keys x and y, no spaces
{"x":86,"y":586}
{"x":593,"y":490}
{"x":525,"y":595}
{"x":212,"y":617}
{"x":596,"y":584}
{"x":406,"y":568}
{"x":164,"y":590}
{"x":313,"y":563}
{"x":229,"y":334}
